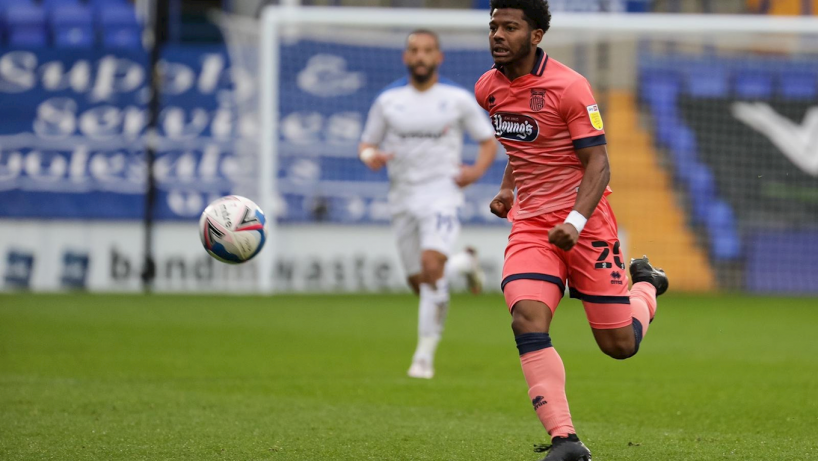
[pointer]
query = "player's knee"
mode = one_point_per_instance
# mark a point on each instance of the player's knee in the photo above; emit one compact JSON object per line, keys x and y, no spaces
{"x":528,"y":318}
{"x":520,"y":325}
{"x":619,"y":348}
{"x":414,"y":283}
{"x":432,"y":265}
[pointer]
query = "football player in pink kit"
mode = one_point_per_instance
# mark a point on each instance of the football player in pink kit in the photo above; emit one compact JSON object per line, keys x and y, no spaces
{"x":545,"y":115}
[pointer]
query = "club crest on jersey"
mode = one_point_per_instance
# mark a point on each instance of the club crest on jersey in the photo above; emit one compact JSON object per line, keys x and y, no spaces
{"x":595,"y":116}
{"x":515,"y":127}
{"x":537,"y":101}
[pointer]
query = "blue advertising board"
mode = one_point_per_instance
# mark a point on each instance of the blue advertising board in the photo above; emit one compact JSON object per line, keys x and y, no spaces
{"x":73,"y":125}
{"x":72,"y":132}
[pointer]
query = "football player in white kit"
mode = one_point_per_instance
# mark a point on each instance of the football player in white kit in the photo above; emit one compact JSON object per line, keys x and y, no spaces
{"x":415,"y":128}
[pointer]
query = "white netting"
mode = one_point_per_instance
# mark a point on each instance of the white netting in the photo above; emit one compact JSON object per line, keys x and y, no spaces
{"x":242,"y":36}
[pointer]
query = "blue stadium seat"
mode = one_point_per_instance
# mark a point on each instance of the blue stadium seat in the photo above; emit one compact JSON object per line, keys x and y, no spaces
{"x":754,"y":84}
{"x":115,"y":14}
{"x":665,"y":127}
{"x":702,"y":189}
{"x":50,"y":4}
{"x":26,"y":26}
{"x":720,"y":217}
{"x":120,"y":26}
{"x":683,"y":151}
{"x":798,"y":85}
{"x":725,"y":246}
{"x":782,"y":261}
{"x":708,"y":81}
{"x":721,"y":227}
{"x":72,"y":26}
{"x":6,"y":3}
{"x":122,"y":38}
{"x":661,"y":91}
{"x":103,"y":3}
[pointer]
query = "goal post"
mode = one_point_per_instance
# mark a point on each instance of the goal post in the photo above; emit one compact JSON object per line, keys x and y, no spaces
{"x":694,"y":108}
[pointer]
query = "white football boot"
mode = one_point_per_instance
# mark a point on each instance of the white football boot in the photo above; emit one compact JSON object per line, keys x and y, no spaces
{"x":421,"y":369}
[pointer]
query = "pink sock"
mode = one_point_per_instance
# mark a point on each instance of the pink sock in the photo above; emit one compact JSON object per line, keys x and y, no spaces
{"x":643,"y":304}
{"x":545,"y":375}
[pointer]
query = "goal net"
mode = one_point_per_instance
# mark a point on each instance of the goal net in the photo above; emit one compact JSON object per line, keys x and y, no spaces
{"x":711,"y":121}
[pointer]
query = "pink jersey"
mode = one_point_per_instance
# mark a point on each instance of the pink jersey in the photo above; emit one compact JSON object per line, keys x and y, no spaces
{"x":541,"y":119}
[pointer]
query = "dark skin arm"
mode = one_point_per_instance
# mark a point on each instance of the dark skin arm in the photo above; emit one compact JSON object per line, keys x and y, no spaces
{"x":594,"y":181}
{"x":502,"y":202}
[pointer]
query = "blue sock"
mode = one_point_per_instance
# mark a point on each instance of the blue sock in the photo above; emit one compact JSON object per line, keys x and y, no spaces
{"x":530,"y":342}
{"x":637,"y":333}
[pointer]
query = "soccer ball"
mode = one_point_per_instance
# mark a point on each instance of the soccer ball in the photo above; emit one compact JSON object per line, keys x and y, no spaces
{"x":233,"y":229}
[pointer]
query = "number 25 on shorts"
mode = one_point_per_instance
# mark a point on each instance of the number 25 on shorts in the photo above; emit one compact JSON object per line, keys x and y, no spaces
{"x":602,"y":261}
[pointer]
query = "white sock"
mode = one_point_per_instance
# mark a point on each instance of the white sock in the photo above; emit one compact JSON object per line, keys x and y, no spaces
{"x":434,"y":305}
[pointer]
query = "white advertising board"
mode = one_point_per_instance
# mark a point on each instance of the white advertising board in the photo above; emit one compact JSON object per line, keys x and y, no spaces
{"x":107,"y":256}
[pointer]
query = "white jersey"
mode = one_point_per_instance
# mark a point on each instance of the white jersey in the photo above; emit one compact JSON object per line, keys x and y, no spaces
{"x":424,"y":131}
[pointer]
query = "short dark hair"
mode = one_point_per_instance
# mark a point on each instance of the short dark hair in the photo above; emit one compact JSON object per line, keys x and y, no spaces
{"x":535,"y":11}
{"x":425,"y":32}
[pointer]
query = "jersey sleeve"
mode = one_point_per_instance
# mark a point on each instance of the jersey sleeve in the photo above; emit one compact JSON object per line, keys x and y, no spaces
{"x":580,"y":112}
{"x":474,"y":119}
{"x":480,"y":93}
{"x":375,"y":128}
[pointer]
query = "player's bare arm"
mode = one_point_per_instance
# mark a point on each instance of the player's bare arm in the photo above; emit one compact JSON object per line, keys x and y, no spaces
{"x":372,"y":156}
{"x":503,"y":201}
{"x":594,"y":181}
{"x":485,"y":157}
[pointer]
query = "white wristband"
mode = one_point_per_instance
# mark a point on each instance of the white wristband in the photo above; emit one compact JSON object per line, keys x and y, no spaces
{"x":577,"y":220}
{"x":367,"y":154}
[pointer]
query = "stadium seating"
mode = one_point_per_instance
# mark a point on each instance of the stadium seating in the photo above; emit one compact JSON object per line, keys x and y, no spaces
{"x":97,"y":4}
{"x":51,"y":4}
{"x":72,"y":26}
{"x":6,"y":3}
{"x":683,"y":151}
{"x":120,"y":26}
{"x":721,"y":226}
{"x":702,"y":188}
{"x":754,"y":84}
{"x":69,"y":24}
{"x":664,"y":79}
{"x":708,"y":81}
{"x":26,"y":25}
{"x":781,"y":261}
{"x":798,"y":85}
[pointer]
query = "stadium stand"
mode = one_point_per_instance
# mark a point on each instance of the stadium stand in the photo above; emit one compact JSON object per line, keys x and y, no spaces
{"x":26,"y":25}
{"x":51,"y":4}
{"x":70,"y":24}
{"x":119,"y":26}
{"x":663,"y":85}
{"x":636,"y":175}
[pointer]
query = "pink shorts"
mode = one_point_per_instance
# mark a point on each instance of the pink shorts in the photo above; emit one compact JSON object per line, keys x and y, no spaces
{"x":536,"y":270}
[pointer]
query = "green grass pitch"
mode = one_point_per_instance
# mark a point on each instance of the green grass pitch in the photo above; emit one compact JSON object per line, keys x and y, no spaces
{"x":323,"y":378}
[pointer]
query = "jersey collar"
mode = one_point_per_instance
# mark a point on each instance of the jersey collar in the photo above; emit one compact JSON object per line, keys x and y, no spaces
{"x":539,"y":64}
